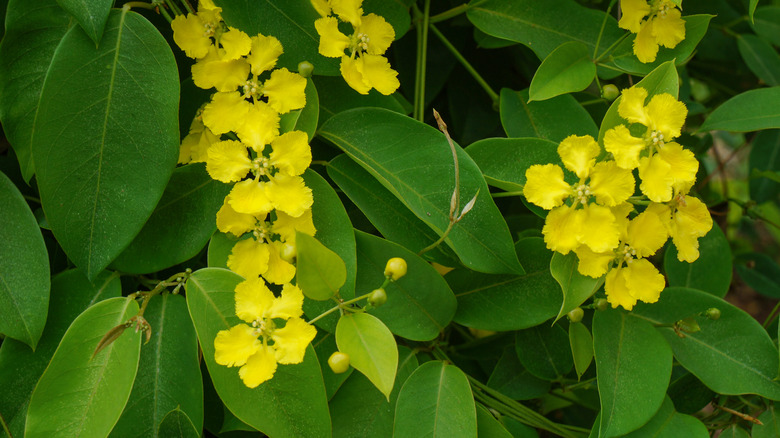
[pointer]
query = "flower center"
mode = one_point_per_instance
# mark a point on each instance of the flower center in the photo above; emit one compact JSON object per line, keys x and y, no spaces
{"x":251,"y":88}
{"x":629,"y":254}
{"x":263,"y":327}
{"x":582,"y":193}
{"x":261,"y":166}
{"x":262,"y":231}
{"x":657,"y":138}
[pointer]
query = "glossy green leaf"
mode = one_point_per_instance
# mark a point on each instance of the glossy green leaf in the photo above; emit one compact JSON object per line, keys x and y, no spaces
{"x":40,"y":24}
{"x":759,"y":271}
{"x":168,"y":373}
{"x":436,"y":401}
{"x":292,"y":403}
{"x":24,"y":268}
{"x":336,"y":96}
{"x":752,"y":9}
{"x":508,"y":302}
{"x":771,"y":423}
{"x":566,"y":69}
{"x":688,"y":393}
{"x":663,"y":79}
{"x":711,"y":272}
{"x":544,"y":351}
{"x":386,"y":212}
{"x":734,"y":431}
{"x":505,"y":160}
{"x":510,"y":378}
{"x":360,"y":410}
{"x":394,"y":12}
{"x":371,"y":348}
{"x":668,"y":423}
{"x":576,"y":287}
{"x":631,"y":358}
{"x":766,"y":23}
{"x":581,"y":343}
{"x":761,"y":58}
{"x":749,"y":111}
{"x":765,"y":156}
{"x":695,"y":28}
{"x":419,"y":305}
{"x":488,"y":426}
{"x":180,"y":225}
{"x":20,"y":367}
{"x":220,"y":247}
{"x":321,"y":272}
{"x":58,"y":407}
{"x":306,"y":118}
{"x":377,"y":139}
{"x":176,"y":424}
{"x":733,"y":355}
{"x":100,"y":178}
{"x":521,"y":118}
{"x":290,"y":21}
{"x":90,"y":14}
{"x":543,"y":26}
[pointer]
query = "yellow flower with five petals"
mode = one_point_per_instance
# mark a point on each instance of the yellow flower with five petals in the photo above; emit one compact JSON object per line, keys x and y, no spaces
{"x":656,"y":22}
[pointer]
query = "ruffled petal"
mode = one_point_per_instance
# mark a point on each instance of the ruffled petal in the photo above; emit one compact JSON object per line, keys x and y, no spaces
{"x":348,"y":10}
{"x":233,"y":222}
{"x":643,"y":280}
{"x":579,"y":153}
{"x":632,"y":105}
{"x":667,"y":115}
{"x":545,"y":186}
{"x":249,"y":258}
{"x":353,"y":75}
{"x":291,"y":153}
{"x":285,"y":90}
{"x":260,"y":367}
{"x":279,"y":270}
{"x":623,"y":146}
{"x":646,"y":233}
{"x":260,"y":126}
{"x":683,"y":163}
{"x":633,"y":13}
{"x":253,"y":299}
{"x":250,"y":197}
{"x":610,"y":184}
{"x":669,"y":28}
{"x":645,"y":45}
{"x":333,"y":43}
{"x":290,"y":342}
{"x":228,"y":161}
{"x":378,"y":32}
{"x":378,"y":74}
{"x":236,"y":43}
{"x":189,"y":34}
{"x":656,"y":179}
{"x":598,"y":229}
{"x":286,"y":225}
{"x":289,"y":304}
{"x":264,"y":53}
{"x":691,"y":221}
{"x":226,"y":112}
{"x":322,"y":7}
{"x":561,"y":228}
{"x":215,"y":71}
{"x":593,"y":264}
{"x":289,"y":194}
{"x":617,"y":290}
{"x":233,"y":347}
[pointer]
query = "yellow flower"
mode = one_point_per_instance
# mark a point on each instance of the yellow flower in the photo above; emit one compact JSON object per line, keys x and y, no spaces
{"x":291,"y":153}
{"x":687,"y":219}
{"x":348,"y":10}
{"x":249,"y":258}
{"x":228,"y":161}
{"x":321,"y":6}
{"x":260,"y":344}
{"x":219,"y":71}
{"x":194,"y":147}
{"x":264,"y":53}
{"x":259,"y":126}
{"x":192,"y":35}
{"x":285,"y":91}
{"x":662,"y":26}
{"x":637,"y":281}
{"x":226,"y":112}
{"x":237,"y":44}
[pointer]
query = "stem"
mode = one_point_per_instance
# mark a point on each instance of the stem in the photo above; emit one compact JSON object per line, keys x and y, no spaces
{"x":142,"y":5}
{"x":611,"y":47}
{"x":772,"y":316}
{"x":32,"y":198}
{"x":5,"y":427}
{"x":438,"y":242}
{"x":506,"y":194}
{"x":175,"y":9}
{"x":422,"y":61}
{"x":188,"y":6}
{"x":320,"y":162}
{"x":345,"y":303}
{"x":454,"y":12}
{"x":482,"y":83}
{"x":174,"y":280}
{"x":603,"y":25}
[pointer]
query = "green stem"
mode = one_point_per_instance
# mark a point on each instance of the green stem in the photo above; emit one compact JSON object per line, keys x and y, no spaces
{"x":344,"y":304}
{"x":611,"y":47}
{"x":174,"y":8}
{"x":5,"y":426}
{"x":320,"y":162}
{"x":142,"y":5}
{"x":165,"y":14}
{"x":482,"y":83}
{"x":32,"y":198}
{"x":454,"y":12}
{"x":772,"y":316}
{"x":603,"y":25}
{"x":188,"y":6}
{"x":422,"y":60}
{"x":506,"y":194}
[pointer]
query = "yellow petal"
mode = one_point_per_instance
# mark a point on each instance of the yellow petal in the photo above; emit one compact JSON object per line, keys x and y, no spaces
{"x":598,"y":229}
{"x":290,"y":342}
{"x":260,"y":367}
{"x":264,"y":53}
{"x":200,"y":151}
{"x":578,"y":153}
{"x":645,"y":45}
{"x":617,"y":290}
{"x":633,"y":13}
{"x":228,"y":161}
{"x":236,"y":43}
{"x":332,"y":41}
{"x":656,"y":180}
{"x":253,"y":299}
{"x":623,"y":146}
{"x":610,"y":184}
{"x":378,"y":74}
{"x":226,"y":112}
{"x":286,"y":225}
{"x":354,"y":76}
{"x":545,"y":186}
{"x":643,"y":280}
{"x":216,"y":71}
{"x":322,"y":7}
{"x":646,"y":233}
{"x":291,"y":153}
{"x":279,"y":271}
{"x":561,"y":228}
{"x":188,"y":143}
{"x":378,"y":32}
{"x":289,"y":304}
{"x":249,"y":258}
{"x":593,"y":264}
{"x":260,"y":126}
{"x":348,"y":10}
{"x":188,"y":34}
{"x":289,"y":194}
{"x":691,"y":221}
{"x":249,"y":197}
{"x":632,"y":105}
{"x":667,"y":115}
{"x":683,"y":163}
{"x":669,"y":28}
{"x":233,"y":347}
{"x":285,"y":90}
{"x":233,"y":222}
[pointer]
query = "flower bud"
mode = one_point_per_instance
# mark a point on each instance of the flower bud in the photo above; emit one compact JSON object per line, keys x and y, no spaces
{"x":610,"y":92}
{"x":305,"y":68}
{"x":601,"y":304}
{"x":289,"y":252}
{"x":396,"y":268}
{"x":338,"y":362}
{"x":713,"y":313}
{"x":377,"y":297}
{"x":576,"y":314}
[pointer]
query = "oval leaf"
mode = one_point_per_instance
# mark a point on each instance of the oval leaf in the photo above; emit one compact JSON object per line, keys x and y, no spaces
{"x":505,"y":160}
{"x":521,"y":118}
{"x":668,"y":423}
{"x":176,"y":424}
{"x":90,"y":14}
{"x":576,"y":287}
{"x":371,"y":348}
{"x":100,"y":179}
{"x":306,"y":118}
{"x":771,"y":423}
{"x":58,"y":407}
{"x":510,"y":378}
{"x":750,"y":111}
{"x":321,"y":272}
{"x":544,"y":351}
{"x":765,"y":156}
{"x":711,"y":272}
{"x":581,"y":343}
{"x":761,"y":58}
{"x":566,"y":69}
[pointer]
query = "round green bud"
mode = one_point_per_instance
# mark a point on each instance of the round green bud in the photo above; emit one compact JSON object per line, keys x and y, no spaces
{"x":395,"y":268}
{"x":601,"y":304}
{"x":289,"y":252}
{"x":610,"y":92}
{"x":713,"y":313}
{"x":377,"y":297}
{"x":576,"y":314}
{"x":305,"y":68}
{"x":338,"y":362}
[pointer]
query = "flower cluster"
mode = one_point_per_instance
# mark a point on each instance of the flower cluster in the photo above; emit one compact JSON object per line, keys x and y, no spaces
{"x":237,"y":134}
{"x":362,"y":64}
{"x":593,"y":216}
{"x":656,"y":22}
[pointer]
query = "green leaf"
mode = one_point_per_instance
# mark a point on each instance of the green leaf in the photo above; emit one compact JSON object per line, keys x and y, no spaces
{"x":581,"y":343}
{"x":711,"y":272}
{"x":510,"y":378}
{"x":306,"y":118}
{"x":734,"y":431}
{"x":180,"y":225}
{"x":290,"y":21}
{"x":371,"y":348}
{"x":168,"y":372}
{"x":576,"y":287}
{"x":220,"y":247}
{"x":488,"y":426}
{"x":39,"y":25}
{"x":668,"y":423}
{"x":292,"y":403}
{"x":505,"y":160}
{"x":766,"y":23}
{"x":761,"y":58}
{"x":695,"y":29}
{"x":733,"y":355}
{"x":543,"y":26}
{"x":394,"y":12}
{"x":386,"y":212}
{"x":419,"y":305}
{"x":90,"y":14}
{"x":58,"y":407}
{"x":521,"y":118}
{"x":752,"y":10}
{"x":100,"y":178}
{"x":508,"y":302}
{"x":765,"y":156}
{"x":688,"y":393}
{"x":359,"y":410}
{"x":20,"y":367}
{"x":631,"y":358}
{"x":436,"y":402}
{"x":752,"y":110}
{"x":336,"y":96}
{"x":771,"y":423}
{"x":760,"y":272}
{"x":24,"y":268}
{"x":544,"y":351}
{"x":566,"y":69}
{"x":423,"y":178}
{"x":321,"y":272}
{"x":176,"y":424}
